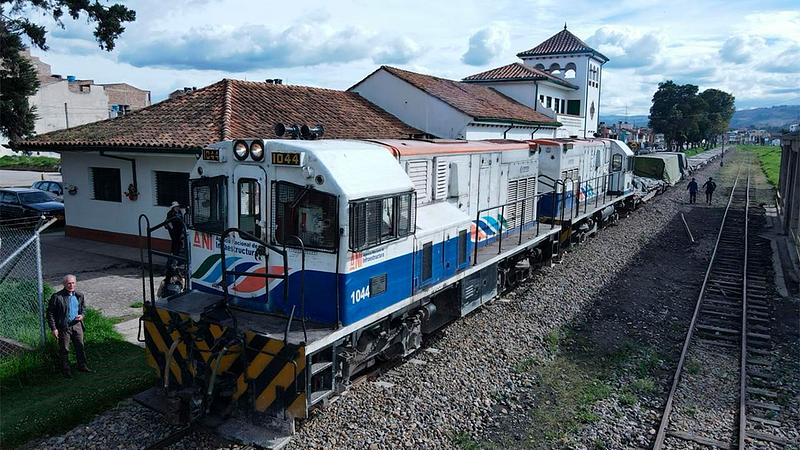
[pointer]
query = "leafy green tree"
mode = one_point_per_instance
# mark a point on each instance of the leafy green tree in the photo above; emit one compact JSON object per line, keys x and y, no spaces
{"x":17,"y":75}
{"x":721,"y":106}
{"x":686,"y":117}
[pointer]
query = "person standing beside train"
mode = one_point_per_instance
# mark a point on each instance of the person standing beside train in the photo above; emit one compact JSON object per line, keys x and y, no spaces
{"x":65,"y":317}
{"x":710,"y":187}
{"x":692,"y":187}
{"x":176,"y":229}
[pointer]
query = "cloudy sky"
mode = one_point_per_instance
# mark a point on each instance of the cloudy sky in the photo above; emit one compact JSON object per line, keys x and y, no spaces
{"x":748,"y":48}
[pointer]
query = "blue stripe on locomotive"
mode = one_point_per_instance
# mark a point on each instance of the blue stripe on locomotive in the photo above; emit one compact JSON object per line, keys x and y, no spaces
{"x":320,"y":287}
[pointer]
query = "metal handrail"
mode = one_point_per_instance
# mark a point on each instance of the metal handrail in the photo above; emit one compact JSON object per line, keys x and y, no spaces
{"x":150,"y":252}
{"x":302,"y":283}
{"x":266,"y":275}
{"x":502,"y":215}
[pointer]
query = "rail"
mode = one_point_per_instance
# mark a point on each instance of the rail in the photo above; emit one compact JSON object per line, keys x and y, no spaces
{"x":662,"y":428}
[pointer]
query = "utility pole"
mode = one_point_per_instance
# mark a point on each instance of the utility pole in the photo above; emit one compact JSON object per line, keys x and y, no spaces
{"x":66,"y":114}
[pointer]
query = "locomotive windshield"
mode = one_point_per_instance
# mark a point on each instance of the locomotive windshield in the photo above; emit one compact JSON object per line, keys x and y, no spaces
{"x":305,"y":213}
{"x":208,"y":205}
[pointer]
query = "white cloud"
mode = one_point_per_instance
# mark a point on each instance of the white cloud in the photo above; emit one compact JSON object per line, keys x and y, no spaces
{"x":625,"y":46}
{"x":485,"y":45}
{"x":401,"y":50}
{"x":741,"y":49}
{"x":787,"y":61}
{"x":252,"y":47}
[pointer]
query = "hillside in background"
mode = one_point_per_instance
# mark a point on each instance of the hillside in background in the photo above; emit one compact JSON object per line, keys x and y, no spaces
{"x":773,"y":118}
{"x":776,"y":117}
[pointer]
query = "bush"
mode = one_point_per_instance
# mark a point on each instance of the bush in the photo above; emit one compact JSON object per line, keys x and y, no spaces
{"x":29,"y":162}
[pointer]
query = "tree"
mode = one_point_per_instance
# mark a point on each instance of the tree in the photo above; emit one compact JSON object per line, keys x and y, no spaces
{"x":684,"y":117}
{"x":721,"y":106}
{"x":17,"y":75}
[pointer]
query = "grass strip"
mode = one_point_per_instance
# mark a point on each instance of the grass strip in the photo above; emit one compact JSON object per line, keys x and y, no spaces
{"x":20,"y":162}
{"x":37,"y":401}
{"x":769,"y":157}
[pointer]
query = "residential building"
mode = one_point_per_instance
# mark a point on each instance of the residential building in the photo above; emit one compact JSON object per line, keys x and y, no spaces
{"x":451,"y":109}
{"x":561,"y":77}
{"x":116,"y":169}
{"x":67,"y":102}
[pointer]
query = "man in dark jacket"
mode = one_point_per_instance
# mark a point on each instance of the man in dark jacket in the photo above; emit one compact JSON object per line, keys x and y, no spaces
{"x":692,"y":191}
{"x":710,"y":186}
{"x":65,"y":316}
{"x":176,"y":228}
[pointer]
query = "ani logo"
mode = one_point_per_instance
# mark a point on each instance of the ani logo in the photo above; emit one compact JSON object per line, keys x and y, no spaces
{"x":591,"y":111}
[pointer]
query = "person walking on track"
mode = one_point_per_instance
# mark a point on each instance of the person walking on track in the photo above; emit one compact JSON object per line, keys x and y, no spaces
{"x":692,"y":187}
{"x":709,"y":186}
{"x":65,"y":316}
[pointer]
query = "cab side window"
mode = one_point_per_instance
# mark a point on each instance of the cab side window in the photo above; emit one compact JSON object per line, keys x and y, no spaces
{"x":616,"y":163}
{"x":381,"y":220}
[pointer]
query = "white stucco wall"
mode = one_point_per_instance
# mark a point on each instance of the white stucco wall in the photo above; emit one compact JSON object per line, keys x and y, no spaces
{"x":413,"y":106}
{"x":586,"y":94}
{"x":479,"y":132}
{"x":82,"y":107}
{"x":524,"y":92}
{"x":119,"y":217}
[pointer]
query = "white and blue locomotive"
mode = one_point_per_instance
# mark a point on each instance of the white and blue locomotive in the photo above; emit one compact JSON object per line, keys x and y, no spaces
{"x":312,"y":259}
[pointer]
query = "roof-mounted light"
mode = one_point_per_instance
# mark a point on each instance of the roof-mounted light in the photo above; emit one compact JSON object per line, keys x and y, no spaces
{"x":240,"y":150}
{"x":257,"y":150}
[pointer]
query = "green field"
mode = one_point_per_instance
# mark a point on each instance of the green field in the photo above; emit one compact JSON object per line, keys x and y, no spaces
{"x":37,"y":401}
{"x":43,"y":163}
{"x":770,"y":159}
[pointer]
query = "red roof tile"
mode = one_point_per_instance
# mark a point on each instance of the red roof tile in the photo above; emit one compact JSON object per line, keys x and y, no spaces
{"x":561,"y":43}
{"x":230,"y":109}
{"x":480,"y":102}
{"x":517,"y":72}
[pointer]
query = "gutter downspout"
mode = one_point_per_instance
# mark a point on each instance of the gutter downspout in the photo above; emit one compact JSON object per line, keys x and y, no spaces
{"x":534,"y":131}
{"x":133,"y":166}
{"x":536,"y":95}
{"x":508,"y":129}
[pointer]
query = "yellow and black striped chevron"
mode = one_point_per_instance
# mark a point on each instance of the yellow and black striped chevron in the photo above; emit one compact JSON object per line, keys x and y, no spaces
{"x":269,"y":374}
{"x":275,"y":373}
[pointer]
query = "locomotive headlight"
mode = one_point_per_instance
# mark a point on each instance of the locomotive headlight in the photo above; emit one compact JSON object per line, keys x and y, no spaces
{"x":240,"y":150}
{"x":257,"y":151}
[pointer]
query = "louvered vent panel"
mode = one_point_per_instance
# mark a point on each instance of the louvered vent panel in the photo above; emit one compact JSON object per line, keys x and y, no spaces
{"x":418,"y":172}
{"x":440,"y":192}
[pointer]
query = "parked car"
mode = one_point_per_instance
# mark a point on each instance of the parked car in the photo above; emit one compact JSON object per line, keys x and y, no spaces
{"x":18,"y":203}
{"x":55,"y":188}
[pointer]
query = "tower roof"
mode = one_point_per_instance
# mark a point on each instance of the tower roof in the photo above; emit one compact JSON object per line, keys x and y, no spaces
{"x":517,"y":72}
{"x":562,"y":43}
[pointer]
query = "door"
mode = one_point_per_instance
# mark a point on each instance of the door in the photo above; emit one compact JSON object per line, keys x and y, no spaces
{"x":248,"y":209}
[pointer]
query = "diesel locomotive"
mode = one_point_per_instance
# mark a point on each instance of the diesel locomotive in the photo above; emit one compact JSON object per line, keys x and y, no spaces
{"x":310,"y":260}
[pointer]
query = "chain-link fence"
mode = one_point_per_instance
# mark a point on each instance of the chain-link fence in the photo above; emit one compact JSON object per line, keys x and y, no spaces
{"x":22,"y":292}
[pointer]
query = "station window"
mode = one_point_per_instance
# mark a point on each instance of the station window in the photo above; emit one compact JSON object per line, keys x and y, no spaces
{"x":171,"y":187}
{"x":250,"y":206}
{"x":105,"y":184}
{"x":209,"y":206}
{"x":305,"y":213}
{"x":380,"y":220}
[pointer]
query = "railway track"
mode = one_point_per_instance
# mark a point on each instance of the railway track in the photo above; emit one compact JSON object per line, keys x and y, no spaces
{"x":729,"y":336}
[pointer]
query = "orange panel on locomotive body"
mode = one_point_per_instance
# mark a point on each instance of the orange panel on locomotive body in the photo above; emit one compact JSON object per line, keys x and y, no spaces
{"x":311,"y":259}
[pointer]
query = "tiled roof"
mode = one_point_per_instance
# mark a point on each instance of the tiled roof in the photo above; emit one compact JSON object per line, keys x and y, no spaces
{"x":230,"y":109}
{"x":561,"y":43}
{"x":478,"y":101}
{"x":517,"y":72}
